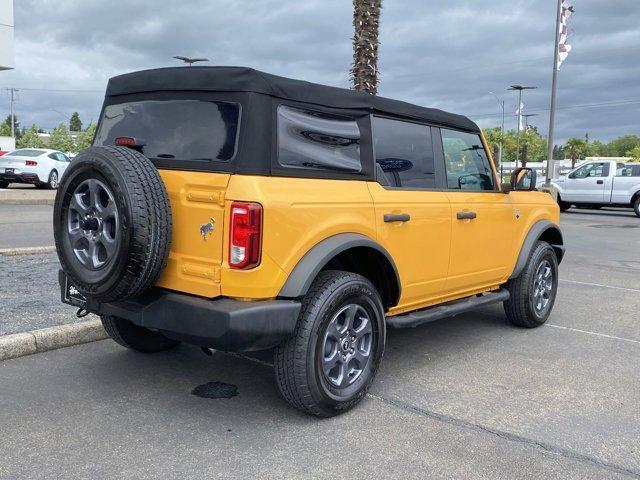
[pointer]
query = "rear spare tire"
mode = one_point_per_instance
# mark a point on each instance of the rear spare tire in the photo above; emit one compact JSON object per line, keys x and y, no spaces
{"x":112,"y":223}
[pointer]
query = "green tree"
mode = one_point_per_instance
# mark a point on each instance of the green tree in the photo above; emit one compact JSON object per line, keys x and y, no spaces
{"x":533,"y":146}
{"x":621,"y":145}
{"x":634,"y":153}
{"x":85,"y":138}
{"x":558,"y":152}
{"x":5,"y":126}
{"x":30,"y":139}
{"x":75,"y":124}
{"x":575,"y":148}
{"x":61,"y":139}
{"x":493,"y":136}
{"x":596,"y":149}
{"x":364,"y":70}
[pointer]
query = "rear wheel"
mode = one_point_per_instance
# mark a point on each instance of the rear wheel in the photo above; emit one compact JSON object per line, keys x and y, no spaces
{"x":52,"y":182}
{"x":564,"y":206}
{"x":328,"y":364}
{"x":533,"y":293}
{"x":4,"y":184}
{"x":134,"y":337}
{"x":636,"y":206}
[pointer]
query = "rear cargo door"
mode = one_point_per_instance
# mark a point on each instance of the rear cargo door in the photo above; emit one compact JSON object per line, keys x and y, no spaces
{"x":192,"y":142}
{"x":197,"y":207}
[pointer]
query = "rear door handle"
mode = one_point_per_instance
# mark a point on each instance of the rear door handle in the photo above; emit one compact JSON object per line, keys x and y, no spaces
{"x":396,"y":217}
{"x":600,"y":182}
{"x":466,"y":215}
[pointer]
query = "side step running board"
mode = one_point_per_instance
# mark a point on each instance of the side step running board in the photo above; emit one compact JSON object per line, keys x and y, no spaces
{"x":449,"y":309}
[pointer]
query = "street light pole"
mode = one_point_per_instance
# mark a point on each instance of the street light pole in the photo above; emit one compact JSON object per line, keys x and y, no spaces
{"x":500,"y":147}
{"x":519,"y":88}
{"x":552,"y":108}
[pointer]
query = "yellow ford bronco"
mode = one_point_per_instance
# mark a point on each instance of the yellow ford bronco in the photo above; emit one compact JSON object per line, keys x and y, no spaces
{"x":236,"y":210}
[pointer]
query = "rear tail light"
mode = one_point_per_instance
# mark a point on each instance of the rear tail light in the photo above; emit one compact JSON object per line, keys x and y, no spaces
{"x":31,"y":163}
{"x":245,"y":235}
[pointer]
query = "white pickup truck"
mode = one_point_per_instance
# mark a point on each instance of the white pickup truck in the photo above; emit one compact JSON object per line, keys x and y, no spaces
{"x":599,"y":183}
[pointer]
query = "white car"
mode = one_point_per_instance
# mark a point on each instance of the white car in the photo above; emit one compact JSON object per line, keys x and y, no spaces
{"x":39,"y":166}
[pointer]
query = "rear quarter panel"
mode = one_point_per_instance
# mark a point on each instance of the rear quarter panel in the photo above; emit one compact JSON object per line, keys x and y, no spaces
{"x":624,"y":189}
{"x":298,"y":213}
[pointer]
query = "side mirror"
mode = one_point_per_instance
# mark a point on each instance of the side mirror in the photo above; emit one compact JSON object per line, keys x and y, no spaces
{"x":523,"y":179}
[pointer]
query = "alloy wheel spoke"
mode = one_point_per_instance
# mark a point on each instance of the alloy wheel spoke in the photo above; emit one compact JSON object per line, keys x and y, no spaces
{"x":93,"y":193}
{"x":363,"y":329}
{"x":109,"y":211}
{"x":76,"y":235}
{"x":350,"y":313}
{"x":94,"y":250}
{"x":361,"y":357}
{"x":77,"y":204}
{"x":108,"y":244}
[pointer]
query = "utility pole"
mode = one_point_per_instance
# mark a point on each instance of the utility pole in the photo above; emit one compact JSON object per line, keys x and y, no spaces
{"x":519,"y":88}
{"x":552,"y":109}
{"x":12,"y":92}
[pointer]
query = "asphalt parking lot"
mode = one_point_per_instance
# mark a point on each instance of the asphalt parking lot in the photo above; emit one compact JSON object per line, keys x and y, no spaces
{"x":468,"y":397}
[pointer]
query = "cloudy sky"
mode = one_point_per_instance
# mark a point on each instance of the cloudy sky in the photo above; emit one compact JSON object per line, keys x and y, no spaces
{"x":445,"y":54}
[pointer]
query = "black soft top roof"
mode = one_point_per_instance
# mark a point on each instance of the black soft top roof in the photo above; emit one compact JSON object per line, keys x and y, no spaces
{"x":242,"y":79}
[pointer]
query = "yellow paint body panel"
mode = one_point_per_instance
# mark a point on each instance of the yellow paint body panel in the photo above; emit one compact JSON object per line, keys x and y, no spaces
{"x":197,"y":200}
{"x":439,"y":258}
{"x":298,"y":213}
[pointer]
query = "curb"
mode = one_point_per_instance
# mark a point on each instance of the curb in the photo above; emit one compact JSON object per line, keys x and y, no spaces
{"x":26,"y":201}
{"x":26,"y":250}
{"x":52,"y":338}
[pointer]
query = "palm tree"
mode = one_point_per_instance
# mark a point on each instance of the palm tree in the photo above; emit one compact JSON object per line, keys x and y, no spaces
{"x":364,"y":71}
{"x":575,"y":148}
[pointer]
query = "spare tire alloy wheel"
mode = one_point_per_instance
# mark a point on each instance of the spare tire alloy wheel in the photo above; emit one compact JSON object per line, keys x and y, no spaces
{"x":93,"y":226}
{"x":112,"y":223}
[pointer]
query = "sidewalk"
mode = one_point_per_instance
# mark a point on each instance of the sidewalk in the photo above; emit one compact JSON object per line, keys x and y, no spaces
{"x":26,"y":196}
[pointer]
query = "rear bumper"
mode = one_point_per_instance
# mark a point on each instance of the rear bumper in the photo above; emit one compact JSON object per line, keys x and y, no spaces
{"x":24,"y":177}
{"x":223,"y":324}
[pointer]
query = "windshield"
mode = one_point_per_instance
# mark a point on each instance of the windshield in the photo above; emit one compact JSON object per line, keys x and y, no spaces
{"x":174,"y":129}
{"x":25,"y":153}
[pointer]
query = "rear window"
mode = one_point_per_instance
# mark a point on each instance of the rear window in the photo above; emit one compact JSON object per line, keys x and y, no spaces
{"x":175,"y":129}
{"x":629,"y":171}
{"x":25,"y":152}
{"x":318,"y":141}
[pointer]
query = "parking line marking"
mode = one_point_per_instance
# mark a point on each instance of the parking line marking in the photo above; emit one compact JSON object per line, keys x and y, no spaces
{"x":601,"y":285}
{"x":613,"y":337}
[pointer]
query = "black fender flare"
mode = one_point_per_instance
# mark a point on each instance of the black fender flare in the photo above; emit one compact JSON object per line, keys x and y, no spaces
{"x":315,"y":259}
{"x":536,"y":232}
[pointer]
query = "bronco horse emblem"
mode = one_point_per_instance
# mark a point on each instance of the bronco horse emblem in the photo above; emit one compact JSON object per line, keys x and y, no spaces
{"x":207,"y":229}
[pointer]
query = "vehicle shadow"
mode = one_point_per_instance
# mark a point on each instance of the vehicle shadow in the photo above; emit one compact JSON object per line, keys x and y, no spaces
{"x":171,"y":377}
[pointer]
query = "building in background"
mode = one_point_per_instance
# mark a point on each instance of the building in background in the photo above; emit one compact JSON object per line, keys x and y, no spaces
{"x":7,"y":54}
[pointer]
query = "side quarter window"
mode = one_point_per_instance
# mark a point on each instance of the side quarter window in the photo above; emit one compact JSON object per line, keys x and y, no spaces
{"x":466,"y":162}
{"x":403,"y":153}
{"x":313,"y":140}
